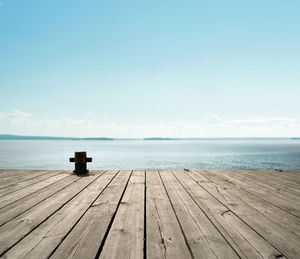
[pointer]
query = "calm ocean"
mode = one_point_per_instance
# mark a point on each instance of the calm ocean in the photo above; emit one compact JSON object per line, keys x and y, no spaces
{"x":162,"y":154}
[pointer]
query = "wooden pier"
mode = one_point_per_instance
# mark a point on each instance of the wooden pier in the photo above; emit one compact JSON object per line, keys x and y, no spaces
{"x":150,"y":214}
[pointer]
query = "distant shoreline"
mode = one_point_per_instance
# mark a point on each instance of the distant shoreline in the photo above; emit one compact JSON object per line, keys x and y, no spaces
{"x":20,"y":137}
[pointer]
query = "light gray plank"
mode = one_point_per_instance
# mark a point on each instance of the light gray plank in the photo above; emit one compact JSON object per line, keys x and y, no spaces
{"x":287,"y":202}
{"x":273,"y":233}
{"x":18,"y":207}
{"x":126,"y":236}
{"x":43,"y":240}
{"x":16,"y":229}
{"x":16,"y":177}
{"x":245,"y":241}
{"x":164,"y":235}
{"x":23,"y":184}
{"x":203,"y":237}
{"x":270,"y":211}
{"x":86,"y":238}
{"x":19,"y":194}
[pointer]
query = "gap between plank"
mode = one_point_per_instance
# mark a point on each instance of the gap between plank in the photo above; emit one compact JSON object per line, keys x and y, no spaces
{"x":145,"y":216}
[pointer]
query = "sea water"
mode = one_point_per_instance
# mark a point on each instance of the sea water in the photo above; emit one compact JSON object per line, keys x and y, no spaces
{"x":157,"y":154}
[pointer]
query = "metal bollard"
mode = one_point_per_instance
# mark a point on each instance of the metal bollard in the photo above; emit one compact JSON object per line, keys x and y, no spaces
{"x":80,"y":161}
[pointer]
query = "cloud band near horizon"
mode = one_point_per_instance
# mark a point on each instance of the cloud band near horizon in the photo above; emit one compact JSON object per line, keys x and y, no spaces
{"x":23,"y":123}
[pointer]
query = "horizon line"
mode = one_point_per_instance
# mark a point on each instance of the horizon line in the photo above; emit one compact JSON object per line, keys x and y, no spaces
{"x":40,"y":137}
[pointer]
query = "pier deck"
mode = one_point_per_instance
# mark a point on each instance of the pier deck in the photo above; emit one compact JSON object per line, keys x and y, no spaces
{"x":150,"y":214}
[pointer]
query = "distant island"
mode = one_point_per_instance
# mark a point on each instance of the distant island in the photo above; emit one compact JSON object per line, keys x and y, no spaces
{"x":20,"y":137}
{"x":157,"y":138}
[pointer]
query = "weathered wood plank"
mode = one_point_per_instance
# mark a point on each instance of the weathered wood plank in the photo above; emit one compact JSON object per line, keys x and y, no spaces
{"x":19,"y":177}
{"x":164,"y":235}
{"x":14,"y":173}
{"x":273,"y":233}
{"x":204,"y":239}
{"x":126,"y":236}
{"x":157,"y":214}
{"x":267,"y":185}
{"x":270,"y":211}
{"x":291,"y":176}
{"x":86,"y":238}
{"x":267,"y":193}
{"x":16,"y":229}
{"x":19,"y":194}
{"x":43,"y":240}
{"x":18,"y":207}
{"x":277,"y":182}
{"x":245,"y":241}
{"x":20,"y":185}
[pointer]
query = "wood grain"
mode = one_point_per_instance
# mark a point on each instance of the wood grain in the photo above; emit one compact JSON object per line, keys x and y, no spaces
{"x":150,"y":214}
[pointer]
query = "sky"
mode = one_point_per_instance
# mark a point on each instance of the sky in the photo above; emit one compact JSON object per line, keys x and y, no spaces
{"x":134,"y":69}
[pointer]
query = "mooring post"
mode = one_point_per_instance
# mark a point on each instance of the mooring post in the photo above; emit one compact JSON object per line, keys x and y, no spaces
{"x":80,"y":161}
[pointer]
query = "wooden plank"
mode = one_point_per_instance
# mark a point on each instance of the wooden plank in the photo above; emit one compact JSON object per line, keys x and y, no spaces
{"x":126,"y":236}
{"x":268,"y":194}
{"x":86,"y":238}
{"x":196,"y":214}
{"x":18,"y":207}
{"x":270,"y":211}
{"x":275,"y":234}
{"x":16,"y":229}
{"x":277,"y":182}
{"x":43,"y":240}
{"x":278,"y":176}
{"x":245,"y":241}
{"x":291,"y":176}
{"x":14,"y":173}
{"x":21,"y":176}
{"x":164,"y":236}
{"x":23,"y":184}
{"x":19,"y":194}
{"x":204,"y":239}
{"x":267,"y":184}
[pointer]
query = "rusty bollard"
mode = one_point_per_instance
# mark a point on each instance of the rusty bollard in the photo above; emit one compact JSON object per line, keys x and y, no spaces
{"x":80,"y":160}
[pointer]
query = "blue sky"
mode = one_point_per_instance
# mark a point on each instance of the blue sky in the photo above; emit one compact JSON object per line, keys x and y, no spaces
{"x":155,"y":68}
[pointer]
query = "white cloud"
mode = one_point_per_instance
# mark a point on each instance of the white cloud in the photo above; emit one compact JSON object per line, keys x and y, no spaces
{"x":16,"y":117}
{"x":19,"y":122}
